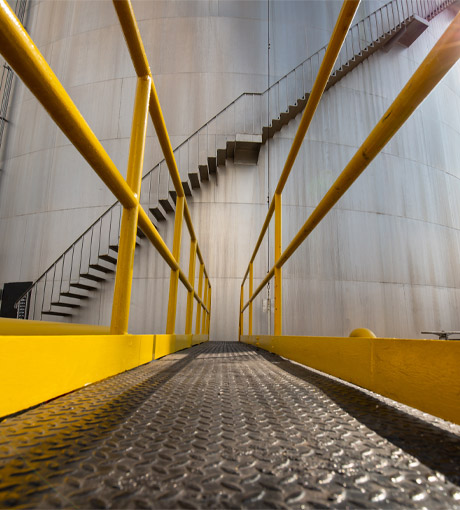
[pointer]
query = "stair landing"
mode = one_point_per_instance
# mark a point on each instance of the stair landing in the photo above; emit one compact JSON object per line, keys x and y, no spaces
{"x":223,"y":425}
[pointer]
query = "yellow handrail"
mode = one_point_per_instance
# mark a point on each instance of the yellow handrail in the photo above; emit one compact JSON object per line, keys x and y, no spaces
{"x":438,"y":62}
{"x":26,"y":60}
{"x":343,"y":23}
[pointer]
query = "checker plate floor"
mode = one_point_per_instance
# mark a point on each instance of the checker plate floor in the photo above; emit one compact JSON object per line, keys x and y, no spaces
{"x":223,"y":425}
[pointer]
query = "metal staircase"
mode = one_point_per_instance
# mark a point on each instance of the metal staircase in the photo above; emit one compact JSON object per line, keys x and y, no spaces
{"x":237,"y":133}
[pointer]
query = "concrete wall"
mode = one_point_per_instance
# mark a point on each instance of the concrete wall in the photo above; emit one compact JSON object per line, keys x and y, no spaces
{"x":385,"y":257}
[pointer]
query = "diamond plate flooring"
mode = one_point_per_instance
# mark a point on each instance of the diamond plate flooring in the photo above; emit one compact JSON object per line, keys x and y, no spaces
{"x":223,"y":425}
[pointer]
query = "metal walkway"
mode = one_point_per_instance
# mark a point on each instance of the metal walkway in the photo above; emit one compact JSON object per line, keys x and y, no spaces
{"x":222,"y":425}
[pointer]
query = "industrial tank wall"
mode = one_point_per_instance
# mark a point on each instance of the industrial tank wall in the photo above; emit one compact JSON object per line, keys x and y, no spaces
{"x":384,"y":258}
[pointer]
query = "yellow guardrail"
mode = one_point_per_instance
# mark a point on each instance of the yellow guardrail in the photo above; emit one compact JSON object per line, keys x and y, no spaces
{"x":338,"y":36}
{"x":438,"y":62}
{"x":23,"y":56}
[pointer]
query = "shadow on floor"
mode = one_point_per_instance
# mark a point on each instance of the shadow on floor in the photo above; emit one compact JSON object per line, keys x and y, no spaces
{"x":435,"y":447}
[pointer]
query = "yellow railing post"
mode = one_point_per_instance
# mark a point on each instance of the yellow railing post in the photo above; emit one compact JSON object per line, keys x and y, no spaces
{"x":208,"y":315}
{"x":241,"y":309}
{"x":174,"y":279}
{"x":205,"y":301}
{"x":190,"y":295}
{"x":198,"y":308}
{"x":278,"y":271}
{"x":128,"y":230}
{"x":251,"y":283}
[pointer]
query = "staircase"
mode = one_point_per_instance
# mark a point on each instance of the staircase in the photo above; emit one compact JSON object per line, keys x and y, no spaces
{"x":237,"y":133}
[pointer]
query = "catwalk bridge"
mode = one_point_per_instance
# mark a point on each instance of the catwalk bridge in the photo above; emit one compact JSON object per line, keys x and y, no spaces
{"x":94,"y":417}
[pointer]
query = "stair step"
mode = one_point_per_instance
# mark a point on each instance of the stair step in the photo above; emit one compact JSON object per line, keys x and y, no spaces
{"x":212,"y":165}
{"x":194,"y":179}
{"x":108,"y":258}
{"x":187,"y":188}
{"x":230,"y":149}
{"x":221,"y":157}
{"x":167,"y":204}
{"x":265,"y":133}
{"x":140,"y":234}
{"x":158,"y":213}
{"x":74,"y":296}
{"x":103,"y":269}
{"x":92,"y":277}
{"x":247,"y":148}
{"x":57,"y":314}
{"x":276,"y":124}
{"x":204,"y":172}
{"x":82,"y":286}
{"x":66,"y":305}
{"x":114,"y":247}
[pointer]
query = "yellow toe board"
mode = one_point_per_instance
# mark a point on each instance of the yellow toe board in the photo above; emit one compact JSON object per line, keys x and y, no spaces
{"x":37,"y":368}
{"x":424,"y":374}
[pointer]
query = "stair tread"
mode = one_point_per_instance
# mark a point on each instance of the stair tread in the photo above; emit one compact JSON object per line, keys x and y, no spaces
{"x":102,"y":268}
{"x":58,"y":314}
{"x":83,"y":286}
{"x":74,"y":296}
{"x":157,"y":213}
{"x":92,"y":277}
{"x":108,"y":258}
{"x":65,"y":305}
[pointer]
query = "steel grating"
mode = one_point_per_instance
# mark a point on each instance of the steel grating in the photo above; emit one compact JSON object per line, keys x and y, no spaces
{"x":223,"y":425}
